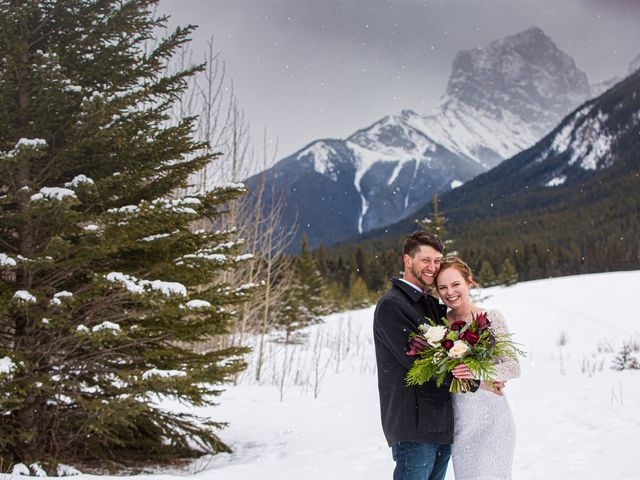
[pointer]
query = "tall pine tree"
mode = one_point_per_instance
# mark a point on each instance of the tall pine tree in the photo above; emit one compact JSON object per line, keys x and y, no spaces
{"x":312,"y":288}
{"x":103,"y":283}
{"x":306,"y":298}
{"x":436,"y":223}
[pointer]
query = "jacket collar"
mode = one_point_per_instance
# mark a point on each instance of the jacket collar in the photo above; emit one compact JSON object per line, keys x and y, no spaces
{"x":410,"y":291}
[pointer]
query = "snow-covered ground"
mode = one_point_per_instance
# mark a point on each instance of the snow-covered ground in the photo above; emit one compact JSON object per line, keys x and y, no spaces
{"x":576,"y":418}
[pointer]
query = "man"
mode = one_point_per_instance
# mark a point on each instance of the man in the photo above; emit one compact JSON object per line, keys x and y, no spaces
{"x":417,"y":421}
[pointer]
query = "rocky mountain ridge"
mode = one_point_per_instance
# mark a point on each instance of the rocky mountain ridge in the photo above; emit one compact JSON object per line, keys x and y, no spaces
{"x":500,"y":100}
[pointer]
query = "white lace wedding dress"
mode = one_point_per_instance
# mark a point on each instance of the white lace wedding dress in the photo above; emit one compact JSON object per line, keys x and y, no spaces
{"x":484,"y":437}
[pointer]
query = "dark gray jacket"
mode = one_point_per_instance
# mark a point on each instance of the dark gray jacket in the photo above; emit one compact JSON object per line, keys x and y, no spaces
{"x":413,"y":414}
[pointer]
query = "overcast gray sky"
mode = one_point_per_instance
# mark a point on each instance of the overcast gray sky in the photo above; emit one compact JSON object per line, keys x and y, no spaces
{"x":309,"y":69}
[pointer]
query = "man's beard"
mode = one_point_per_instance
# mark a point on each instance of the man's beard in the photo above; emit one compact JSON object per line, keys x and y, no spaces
{"x":418,"y":276}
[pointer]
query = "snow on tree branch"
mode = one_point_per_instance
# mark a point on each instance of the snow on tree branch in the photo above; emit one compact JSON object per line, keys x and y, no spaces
{"x":7,"y":261}
{"x":78,"y":180}
{"x":141,"y":286}
{"x":53,"y":193}
{"x":25,"y":296}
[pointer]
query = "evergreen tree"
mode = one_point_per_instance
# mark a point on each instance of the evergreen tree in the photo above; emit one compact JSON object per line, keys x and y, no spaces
{"x":625,"y":358}
{"x":312,"y":288}
{"x":361,"y":263}
{"x":292,"y":314}
{"x":320,"y":256}
{"x":436,"y":224}
{"x":533,"y":264}
{"x":306,"y":298}
{"x":508,"y":274}
{"x":343,"y":272}
{"x":358,"y":292}
{"x":337,"y":297}
{"x":487,"y":275}
{"x":103,"y":284}
{"x":376,"y":278}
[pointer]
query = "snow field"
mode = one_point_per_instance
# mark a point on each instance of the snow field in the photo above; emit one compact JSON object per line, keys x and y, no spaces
{"x":315,"y":415}
{"x":576,"y":418}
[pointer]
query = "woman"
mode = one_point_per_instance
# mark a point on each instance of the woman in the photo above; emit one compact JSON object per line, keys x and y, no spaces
{"x":484,"y":435}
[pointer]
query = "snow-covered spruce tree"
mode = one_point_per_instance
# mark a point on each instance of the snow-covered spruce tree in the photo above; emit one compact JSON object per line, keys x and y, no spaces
{"x":102,"y":281}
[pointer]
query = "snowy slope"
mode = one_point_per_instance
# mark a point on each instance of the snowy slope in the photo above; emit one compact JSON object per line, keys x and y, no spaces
{"x":478,"y":135}
{"x":576,"y":418}
{"x":603,"y":132}
{"x":399,"y":167}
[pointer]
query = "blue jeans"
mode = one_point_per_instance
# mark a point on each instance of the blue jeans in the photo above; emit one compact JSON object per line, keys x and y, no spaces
{"x":420,"y":461}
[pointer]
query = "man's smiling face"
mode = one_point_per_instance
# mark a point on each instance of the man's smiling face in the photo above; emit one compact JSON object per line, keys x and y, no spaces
{"x":421,"y":268}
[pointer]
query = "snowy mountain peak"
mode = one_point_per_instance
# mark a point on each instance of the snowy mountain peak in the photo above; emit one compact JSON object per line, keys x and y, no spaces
{"x":326,"y":157}
{"x":500,"y":100}
{"x":407,"y":114}
{"x":504,"y":97}
{"x":532,"y":36}
{"x":525,"y":74}
{"x":394,"y":135}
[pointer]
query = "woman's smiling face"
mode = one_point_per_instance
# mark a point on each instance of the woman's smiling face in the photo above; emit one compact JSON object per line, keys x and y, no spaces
{"x":453,"y":288}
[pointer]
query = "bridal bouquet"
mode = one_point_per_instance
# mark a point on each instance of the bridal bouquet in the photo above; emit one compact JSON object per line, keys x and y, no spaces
{"x":442,"y":347}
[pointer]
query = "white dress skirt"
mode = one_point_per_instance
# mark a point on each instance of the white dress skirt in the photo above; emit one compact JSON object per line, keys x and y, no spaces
{"x":485,"y":435}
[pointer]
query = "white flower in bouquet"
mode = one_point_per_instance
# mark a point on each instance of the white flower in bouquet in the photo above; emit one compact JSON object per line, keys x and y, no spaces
{"x":459,"y":348}
{"x":435,"y":335}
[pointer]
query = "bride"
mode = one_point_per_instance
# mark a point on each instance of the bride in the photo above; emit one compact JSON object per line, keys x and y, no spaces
{"x":484,"y":434}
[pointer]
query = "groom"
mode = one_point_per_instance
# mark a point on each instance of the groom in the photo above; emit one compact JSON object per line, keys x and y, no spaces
{"x":417,"y":421}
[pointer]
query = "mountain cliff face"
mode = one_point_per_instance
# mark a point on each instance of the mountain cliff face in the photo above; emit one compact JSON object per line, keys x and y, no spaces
{"x":583,"y":175}
{"x":503,"y":98}
{"x":569,"y":204}
{"x":499,"y":100}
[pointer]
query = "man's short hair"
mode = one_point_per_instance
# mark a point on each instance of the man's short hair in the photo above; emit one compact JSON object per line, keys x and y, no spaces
{"x":413,"y":242}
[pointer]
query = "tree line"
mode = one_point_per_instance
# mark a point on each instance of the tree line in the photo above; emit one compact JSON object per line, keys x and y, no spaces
{"x":502,"y":251}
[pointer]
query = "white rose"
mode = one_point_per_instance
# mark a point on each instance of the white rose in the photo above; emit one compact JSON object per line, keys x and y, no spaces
{"x":423,"y":327}
{"x":459,"y":349}
{"x":435,"y":335}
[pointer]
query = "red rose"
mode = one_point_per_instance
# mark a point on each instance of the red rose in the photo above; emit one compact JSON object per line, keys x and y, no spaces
{"x":457,"y":325}
{"x":447,"y":344}
{"x":470,"y":337}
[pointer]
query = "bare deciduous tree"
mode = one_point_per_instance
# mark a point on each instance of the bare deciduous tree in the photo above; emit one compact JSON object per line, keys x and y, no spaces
{"x":256,"y":216}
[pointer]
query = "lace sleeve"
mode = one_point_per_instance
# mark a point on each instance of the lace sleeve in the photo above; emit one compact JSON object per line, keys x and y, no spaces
{"x":509,"y":367}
